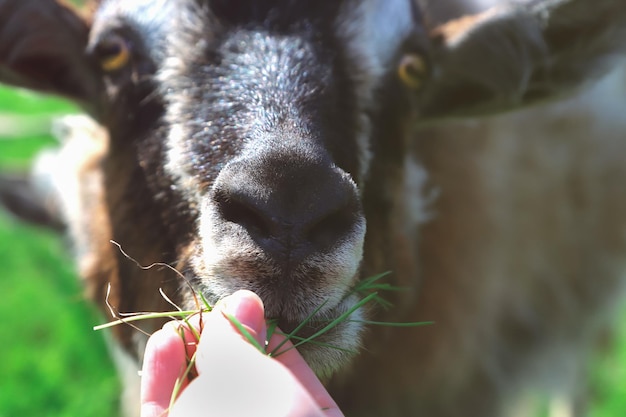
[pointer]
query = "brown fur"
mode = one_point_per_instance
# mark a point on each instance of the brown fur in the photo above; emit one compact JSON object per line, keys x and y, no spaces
{"x":519,"y":268}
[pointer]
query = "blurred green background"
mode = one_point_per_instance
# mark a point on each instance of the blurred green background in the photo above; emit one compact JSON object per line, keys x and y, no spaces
{"x":51,"y":361}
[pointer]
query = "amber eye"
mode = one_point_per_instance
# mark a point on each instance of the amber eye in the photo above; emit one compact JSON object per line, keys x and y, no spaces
{"x":113,"y":53}
{"x":412,"y":70}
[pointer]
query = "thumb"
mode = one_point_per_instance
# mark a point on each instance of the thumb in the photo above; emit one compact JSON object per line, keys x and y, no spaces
{"x":220,"y":335}
{"x":245,"y":308}
{"x":234,"y":378}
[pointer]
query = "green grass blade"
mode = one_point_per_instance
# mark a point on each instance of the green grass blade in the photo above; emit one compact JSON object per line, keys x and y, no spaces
{"x":367,"y":283}
{"x":272,"y":324}
{"x":245,"y":332}
{"x":298,"y":327}
{"x":181,"y":380}
{"x":338,"y":320}
{"x":147,"y":316}
{"x":321,"y":344}
{"x":394,"y":324}
{"x":207,"y":306}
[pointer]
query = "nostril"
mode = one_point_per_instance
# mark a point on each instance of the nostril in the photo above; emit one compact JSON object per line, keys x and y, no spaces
{"x":330,"y":229}
{"x":236,"y":210}
{"x":287,"y":214}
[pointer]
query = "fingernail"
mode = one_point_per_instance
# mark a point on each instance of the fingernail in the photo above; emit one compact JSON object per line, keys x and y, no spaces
{"x":246,"y":307}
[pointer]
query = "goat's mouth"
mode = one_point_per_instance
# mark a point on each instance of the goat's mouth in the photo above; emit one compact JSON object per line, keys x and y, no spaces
{"x":327,"y":340}
{"x":309,"y":296}
{"x":328,"y":336}
{"x":301,"y":330}
{"x":317,"y":325}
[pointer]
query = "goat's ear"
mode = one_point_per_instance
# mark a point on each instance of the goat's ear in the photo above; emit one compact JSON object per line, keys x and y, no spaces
{"x":20,"y":198}
{"x":42,"y":47}
{"x":521,"y":52}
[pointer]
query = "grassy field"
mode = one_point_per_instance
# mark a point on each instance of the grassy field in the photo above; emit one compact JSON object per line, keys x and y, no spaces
{"x":53,"y":364}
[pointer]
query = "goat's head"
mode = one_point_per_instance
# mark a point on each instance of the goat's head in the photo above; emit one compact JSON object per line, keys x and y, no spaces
{"x":253,"y":129}
{"x":245,"y":134}
{"x":250,"y":140}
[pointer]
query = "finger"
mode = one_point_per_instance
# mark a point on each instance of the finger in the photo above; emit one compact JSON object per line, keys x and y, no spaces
{"x":235,"y":379}
{"x":239,"y":380}
{"x":289,"y":357}
{"x":220,"y":335}
{"x":164,"y":362}
{"x":247,"y":308}
{"x":188,"y":331}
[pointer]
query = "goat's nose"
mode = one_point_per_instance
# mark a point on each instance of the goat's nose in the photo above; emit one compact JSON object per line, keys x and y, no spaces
{"x":289,"y":207}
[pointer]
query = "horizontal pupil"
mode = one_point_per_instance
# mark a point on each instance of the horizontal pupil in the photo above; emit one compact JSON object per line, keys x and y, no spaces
{"x":413,"y":70}
{"x":108,"y":50}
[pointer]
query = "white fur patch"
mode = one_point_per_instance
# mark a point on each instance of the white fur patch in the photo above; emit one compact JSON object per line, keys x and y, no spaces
{"x":372,"y":30}
{"x":419,"y":200}
{"x":607,"y":98}
{"x":375,"y":29}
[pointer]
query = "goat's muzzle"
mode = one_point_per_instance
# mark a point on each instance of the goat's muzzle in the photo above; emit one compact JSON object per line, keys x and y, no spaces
{"x":286,"y":223}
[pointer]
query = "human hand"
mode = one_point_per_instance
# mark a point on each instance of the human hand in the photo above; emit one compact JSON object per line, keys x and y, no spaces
{"x":234,"y":377}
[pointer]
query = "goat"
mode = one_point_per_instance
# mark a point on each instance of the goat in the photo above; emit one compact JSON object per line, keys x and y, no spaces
{"x":249,"y":143}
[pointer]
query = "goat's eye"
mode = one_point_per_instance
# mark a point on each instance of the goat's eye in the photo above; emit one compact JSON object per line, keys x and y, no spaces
{"x":412,"y":70}
{"x":113,"y":53}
